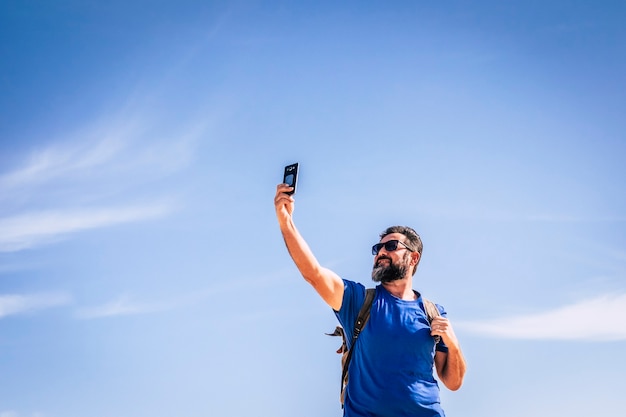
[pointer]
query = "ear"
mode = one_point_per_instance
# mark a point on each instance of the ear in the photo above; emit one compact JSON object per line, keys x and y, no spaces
{"x":415,"y":257}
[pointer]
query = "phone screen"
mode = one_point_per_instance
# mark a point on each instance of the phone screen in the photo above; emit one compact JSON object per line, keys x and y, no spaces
{"x":290,"y":176}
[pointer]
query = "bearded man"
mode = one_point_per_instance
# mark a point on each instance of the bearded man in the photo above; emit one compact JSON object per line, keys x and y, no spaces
{"x":391,"y":371}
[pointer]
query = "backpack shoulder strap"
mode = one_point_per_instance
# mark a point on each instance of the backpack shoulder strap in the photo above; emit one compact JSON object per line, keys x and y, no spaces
{"x":361,"y":320}
{"x":431,"y":309}
{"x":364,"y":313}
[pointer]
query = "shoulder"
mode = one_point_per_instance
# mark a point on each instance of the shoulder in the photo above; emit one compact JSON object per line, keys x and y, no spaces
{"x":352,"y":288}
{"x":353,"y":296}
{"x":436,"y":308}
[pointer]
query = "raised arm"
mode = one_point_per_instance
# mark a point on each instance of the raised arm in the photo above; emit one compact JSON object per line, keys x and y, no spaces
{"x":326,"y":282}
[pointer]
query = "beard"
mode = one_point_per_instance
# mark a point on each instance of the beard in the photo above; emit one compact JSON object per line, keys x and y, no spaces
{"x":391,"y":272}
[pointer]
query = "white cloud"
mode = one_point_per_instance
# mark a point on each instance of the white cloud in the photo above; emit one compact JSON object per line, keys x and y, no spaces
{"x":601,"y":318}
{"x":133,"y":145}
{"x":44,"y":199}
{"x":46,"y":165}
{"x":22,"y":304}
{"x":32,"y":229}
{"x":121,"y":306}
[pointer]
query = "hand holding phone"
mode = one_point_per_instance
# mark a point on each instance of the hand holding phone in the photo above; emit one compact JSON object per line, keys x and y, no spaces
{"x":290,"y":177}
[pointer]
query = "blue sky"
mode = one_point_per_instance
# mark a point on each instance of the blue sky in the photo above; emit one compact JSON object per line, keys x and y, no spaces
{"x":142,"y":272}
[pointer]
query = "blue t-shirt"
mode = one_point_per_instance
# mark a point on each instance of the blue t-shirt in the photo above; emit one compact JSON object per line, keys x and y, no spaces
{"x":391,"y":371}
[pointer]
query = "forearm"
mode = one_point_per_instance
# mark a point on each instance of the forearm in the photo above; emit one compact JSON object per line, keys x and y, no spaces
{"x":300,"y":251}
{"x":327,"y":284}
{"x":453,"y":369}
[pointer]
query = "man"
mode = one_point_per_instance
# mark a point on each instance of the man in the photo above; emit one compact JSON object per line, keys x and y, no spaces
{"x":391,"y":372}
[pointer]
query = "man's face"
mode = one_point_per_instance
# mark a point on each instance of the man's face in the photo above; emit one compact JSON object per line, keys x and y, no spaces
{"x":392,"y":265}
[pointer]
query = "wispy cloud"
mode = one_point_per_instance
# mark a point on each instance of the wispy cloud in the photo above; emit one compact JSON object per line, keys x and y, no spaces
{"x":11,"y":413}
{"x":95,"y":178}
{"x":601,"y":318}
{"x":62,"y":160}
{"x":125,"y":305}
{"x":120,"y":306}
{"x":23,"y":304}
{"x":130,"y":149}
{"x":33,"y":229}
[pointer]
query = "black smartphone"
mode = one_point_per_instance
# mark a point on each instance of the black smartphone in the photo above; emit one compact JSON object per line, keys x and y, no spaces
{"x":291,"y":177}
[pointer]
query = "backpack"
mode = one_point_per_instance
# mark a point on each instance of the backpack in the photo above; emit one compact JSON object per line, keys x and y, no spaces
{"x":431,"y":311}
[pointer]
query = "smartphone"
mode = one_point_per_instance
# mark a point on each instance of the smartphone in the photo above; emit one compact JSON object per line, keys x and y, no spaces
{"x":291,"y":177}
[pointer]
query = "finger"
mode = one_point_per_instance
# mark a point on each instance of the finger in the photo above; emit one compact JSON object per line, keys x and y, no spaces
{"x":439,"y":328}
{"x":283,"y":198}
{"x":439,"y":321}
{"x":283,"y":188}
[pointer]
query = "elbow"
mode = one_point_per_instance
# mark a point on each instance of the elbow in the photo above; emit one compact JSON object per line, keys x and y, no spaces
{"x":312,"y":276}
{"x":454,"y":380}
{"x":455,"y":386}
{"x":453,"y":371}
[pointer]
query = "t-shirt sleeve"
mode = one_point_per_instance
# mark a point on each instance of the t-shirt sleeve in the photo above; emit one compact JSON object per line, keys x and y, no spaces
{"x":353,"y":298}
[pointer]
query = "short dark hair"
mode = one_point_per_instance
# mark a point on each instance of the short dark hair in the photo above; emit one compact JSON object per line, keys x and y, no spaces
{"x":415,"y":241}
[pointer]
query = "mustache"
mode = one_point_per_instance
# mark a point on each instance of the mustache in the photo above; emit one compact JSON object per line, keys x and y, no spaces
{"x":381,"y":257}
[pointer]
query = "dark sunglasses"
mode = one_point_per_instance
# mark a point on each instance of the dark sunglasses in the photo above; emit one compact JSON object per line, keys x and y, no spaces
{"x":389,"y":246}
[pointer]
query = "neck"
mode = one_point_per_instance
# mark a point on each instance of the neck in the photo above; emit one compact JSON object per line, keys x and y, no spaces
{"x":401,"y":288}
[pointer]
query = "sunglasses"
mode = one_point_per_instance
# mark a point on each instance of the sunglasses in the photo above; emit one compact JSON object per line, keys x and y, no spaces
{"x":389,"y":246}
